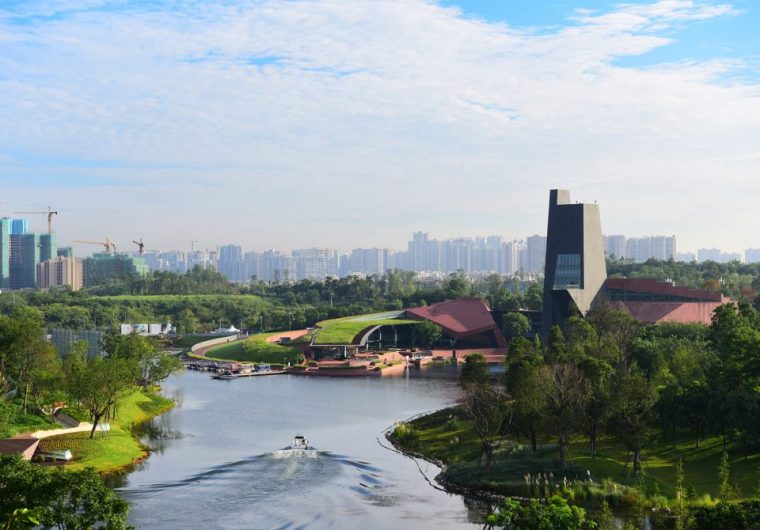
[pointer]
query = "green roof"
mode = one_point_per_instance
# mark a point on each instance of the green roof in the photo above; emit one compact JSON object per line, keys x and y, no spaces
{"x":344,"y":330}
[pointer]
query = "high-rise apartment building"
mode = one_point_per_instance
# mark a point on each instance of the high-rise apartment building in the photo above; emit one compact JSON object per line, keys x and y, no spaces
{"x":752,"y":255}
{"x":5,"y":253}
{"x":367,"y":261}
{"x":61,"y":272}
{"x":640,"y":249}
{"x":25,"y":255}
{"x":536,"y":253}
{"x":614,"y":246}
{"x":48,"y":247}
{"x":231,"y":262}
{"x":315,"y":263}
{"x":19,"y":226}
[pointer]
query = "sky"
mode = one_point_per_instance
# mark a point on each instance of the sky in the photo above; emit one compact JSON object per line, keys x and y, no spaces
{"x":352,"y":123}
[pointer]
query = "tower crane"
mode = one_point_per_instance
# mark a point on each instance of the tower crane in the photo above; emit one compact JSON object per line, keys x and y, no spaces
{"x":140,"y":245}
{"x":107,"y":244}
{"x":50,"y":213}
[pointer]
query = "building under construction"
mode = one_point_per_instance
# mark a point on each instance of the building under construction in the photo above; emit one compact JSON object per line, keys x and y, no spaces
{"x":104,"y":266}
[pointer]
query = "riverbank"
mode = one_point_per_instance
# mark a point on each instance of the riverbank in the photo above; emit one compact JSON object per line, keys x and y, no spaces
{"x":119,"y":448}
{"x":447,"y":438}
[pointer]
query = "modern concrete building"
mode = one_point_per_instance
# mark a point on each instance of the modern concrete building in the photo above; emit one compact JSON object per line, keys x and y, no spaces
{"x":61,"y":272}
{"x":575,"y":269}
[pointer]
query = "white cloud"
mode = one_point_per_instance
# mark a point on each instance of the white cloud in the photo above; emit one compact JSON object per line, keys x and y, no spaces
{"x":283,"y":122}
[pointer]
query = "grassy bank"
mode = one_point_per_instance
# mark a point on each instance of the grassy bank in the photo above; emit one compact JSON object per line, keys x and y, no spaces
{"x":256,"y":350}
{"x":118,"y":448}
{"x":447,"y":436}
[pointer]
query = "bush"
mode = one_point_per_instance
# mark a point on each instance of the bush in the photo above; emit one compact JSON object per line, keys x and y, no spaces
{"x":407,"y":436}
{"x":734,"y":515}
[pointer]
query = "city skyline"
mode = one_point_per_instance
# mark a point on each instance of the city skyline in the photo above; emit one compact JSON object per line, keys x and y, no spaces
{"x":281,"y":125}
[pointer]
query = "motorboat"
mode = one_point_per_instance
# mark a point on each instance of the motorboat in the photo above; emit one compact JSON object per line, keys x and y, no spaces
{"x":300,"y":442}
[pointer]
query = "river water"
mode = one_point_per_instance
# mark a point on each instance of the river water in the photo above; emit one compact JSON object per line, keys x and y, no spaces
{"x":215,"y":461}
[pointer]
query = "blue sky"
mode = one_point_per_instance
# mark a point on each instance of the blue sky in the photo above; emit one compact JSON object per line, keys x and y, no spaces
{"x":334,"y":123}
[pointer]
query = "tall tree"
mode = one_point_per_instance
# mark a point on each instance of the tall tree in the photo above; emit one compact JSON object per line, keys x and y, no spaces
{"x":566,"y":391}
{"x":633,"y":408}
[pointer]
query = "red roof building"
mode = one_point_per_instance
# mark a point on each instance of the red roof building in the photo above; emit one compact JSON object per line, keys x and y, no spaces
{"x":654,"y":301}
{"x":468,"y":320}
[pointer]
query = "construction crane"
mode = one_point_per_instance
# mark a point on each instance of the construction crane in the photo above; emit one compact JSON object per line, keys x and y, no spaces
{"x":107,"y":244}
{"x":50,"y":213}
{"x":140,"y":245}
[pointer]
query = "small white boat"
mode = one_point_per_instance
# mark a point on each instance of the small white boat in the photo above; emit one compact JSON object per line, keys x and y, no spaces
{"x":300,"y":442}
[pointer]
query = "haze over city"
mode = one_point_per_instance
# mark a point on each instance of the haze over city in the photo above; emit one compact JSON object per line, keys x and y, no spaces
{"x":347,"y":124}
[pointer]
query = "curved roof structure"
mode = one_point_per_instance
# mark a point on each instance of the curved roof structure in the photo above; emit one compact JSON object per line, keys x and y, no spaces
{"x":460,"y":318}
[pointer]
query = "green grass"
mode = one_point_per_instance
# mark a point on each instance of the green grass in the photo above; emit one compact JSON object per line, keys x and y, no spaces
{"x":118,"y":448}
{"x":256,"y":350}
{"x":447,"y":436}
{"x":344,"y":331}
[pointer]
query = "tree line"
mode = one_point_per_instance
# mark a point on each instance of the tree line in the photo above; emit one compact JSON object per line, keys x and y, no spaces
{"x":610,"y":375}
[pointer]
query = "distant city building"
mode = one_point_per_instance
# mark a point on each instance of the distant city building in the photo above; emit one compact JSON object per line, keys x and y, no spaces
{"x":65,"y":252}
{"x":5,"y":253}
{"x":368,"y":261}
{"x":315,"y":263}
{"x":752,"y":255}
{"x":231,"y":262}
{"x":686,"y":257}
{"x":19,"y":226}
{"x":575,"y":267}
{"x":61,"y":272}
{"x":640,"y":249}
{"x":25,"y":255}
{"x":614,"y":246}
{"x":716,"y":255}
{"x":536,"y":253}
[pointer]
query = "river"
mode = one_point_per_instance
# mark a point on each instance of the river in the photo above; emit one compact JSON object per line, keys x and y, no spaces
{"x":215,"y":462}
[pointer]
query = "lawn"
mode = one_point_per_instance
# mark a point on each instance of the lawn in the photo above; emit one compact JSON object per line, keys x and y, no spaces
{"x":255,"y":349}
{"x":447,"y":436}
{"x":343,"y":331}
{"x":118,"y":448}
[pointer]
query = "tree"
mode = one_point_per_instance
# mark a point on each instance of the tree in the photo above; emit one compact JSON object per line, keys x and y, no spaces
{"x":68,"y":500}
{"x":526,"y":382}
{"x":187,"y":322}
{"x":515,"y":325}
{"x":633,"y":405}
{"x":566,"y":391}
{"x":99,"y":383}
{"x":490,"y":412}
{"x":725,"y":491}
{"x":475,"y":371}
{"x":427,"y":333}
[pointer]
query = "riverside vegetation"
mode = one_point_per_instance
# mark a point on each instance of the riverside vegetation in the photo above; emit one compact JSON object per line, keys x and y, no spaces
{"x":119,"y":388}
{"x":610,"y":414}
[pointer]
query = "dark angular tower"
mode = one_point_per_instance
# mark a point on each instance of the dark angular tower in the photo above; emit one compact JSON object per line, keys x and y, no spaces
{"x":575,"y":269}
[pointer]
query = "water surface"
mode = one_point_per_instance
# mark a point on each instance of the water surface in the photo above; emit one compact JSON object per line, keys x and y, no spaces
{"x":216,"y":462}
